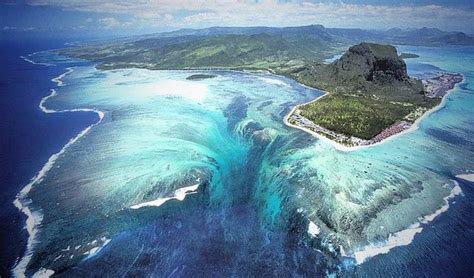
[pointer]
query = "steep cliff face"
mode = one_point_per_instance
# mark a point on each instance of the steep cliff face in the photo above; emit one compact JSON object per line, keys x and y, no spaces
{"x":364,"y":69}
{"x":370,"y":62}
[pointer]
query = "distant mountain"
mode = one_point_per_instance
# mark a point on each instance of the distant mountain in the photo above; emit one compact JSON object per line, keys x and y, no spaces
{"x":354,"y":35}
{"x":225,"y":47}
{"x":248,"y":47}
{"x":425,"y":36}
{"x":313,"y":30}
{"x":457,"y":38}
{"x":421,"y":36}
{"x":251,"y":51}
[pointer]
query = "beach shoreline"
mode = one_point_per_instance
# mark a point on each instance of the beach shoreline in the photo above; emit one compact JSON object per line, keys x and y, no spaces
{"x":398,"y":129}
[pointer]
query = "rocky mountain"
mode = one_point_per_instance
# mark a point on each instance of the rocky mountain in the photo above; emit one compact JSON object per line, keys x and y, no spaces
{"x":426,"y":36}
{"x":363,"y":69}
{"x":372,"y":63}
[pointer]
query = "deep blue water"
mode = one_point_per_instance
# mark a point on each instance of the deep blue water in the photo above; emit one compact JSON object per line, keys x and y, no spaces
{"x":28,"y":137}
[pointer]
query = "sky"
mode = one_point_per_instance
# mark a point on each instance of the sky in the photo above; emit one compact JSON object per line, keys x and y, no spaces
{"x":149,"y":16}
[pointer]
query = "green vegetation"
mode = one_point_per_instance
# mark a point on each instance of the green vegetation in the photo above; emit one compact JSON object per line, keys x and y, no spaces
{"x":256,"y":51}
{"x":361,"y":116}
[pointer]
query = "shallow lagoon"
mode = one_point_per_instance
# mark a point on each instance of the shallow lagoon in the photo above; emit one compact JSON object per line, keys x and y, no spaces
{"x":260,"y":182}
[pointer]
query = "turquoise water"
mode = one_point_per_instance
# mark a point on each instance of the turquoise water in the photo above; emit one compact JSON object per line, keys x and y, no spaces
{"x":260,"y":183}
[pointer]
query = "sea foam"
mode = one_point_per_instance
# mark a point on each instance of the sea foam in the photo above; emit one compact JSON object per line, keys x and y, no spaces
{"x":404,"y":237}
{"x":179,"y":195}
{"x":43,"y":272}
{"x":274,"y":81}
{"x":33,"y":62}
{"x":94,"y":251}
{"x":466,"y":177}
{"x":59,"y":79}
{"x":313,"y":229}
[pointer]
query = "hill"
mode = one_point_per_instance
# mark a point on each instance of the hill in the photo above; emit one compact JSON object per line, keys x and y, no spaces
{"x":247,"y":47}
{"x":251,"y":48}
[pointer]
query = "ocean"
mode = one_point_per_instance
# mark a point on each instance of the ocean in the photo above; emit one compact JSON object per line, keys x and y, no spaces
{"x":174,"y":177}
{"x":28,"y":136}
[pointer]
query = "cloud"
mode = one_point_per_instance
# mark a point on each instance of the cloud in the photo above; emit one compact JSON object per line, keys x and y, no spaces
{"x":168,"y":17}
{"x":9,"y":28}
{"x":109,"y":23}
{"x":14,"y":28}
{"x":196,"y":13}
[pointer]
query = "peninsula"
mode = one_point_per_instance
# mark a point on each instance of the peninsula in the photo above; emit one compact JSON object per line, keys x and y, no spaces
{"x":369,"y":98}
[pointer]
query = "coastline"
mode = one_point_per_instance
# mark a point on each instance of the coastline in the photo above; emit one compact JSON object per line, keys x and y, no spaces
{"x":58,"y":81}
{"x":22,"y":202}
{"x":341,"y":147}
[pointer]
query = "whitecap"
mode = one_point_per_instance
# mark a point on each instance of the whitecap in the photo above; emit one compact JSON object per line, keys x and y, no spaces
{"x":33,"y":62}
{"x":404,"y":237}
{"x":274,"y":81}
{"x":59,"y":79}
{"x":94,"y":251}
{"x":179,"y":195}
{"x":401,"y":238}
{"x":43,"y":273}
{"x":466,"y":177}
{"x":313,"y":229}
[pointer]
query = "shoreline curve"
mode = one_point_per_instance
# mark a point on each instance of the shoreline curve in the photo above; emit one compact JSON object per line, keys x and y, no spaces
{"x":22,"y":202}
{"x":343,"y":148}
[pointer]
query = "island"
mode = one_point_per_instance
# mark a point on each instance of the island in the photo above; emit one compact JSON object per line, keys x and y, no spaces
{"x":408,"y":55}
{"x":369,"y":96}
{"x":198,"y":77}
